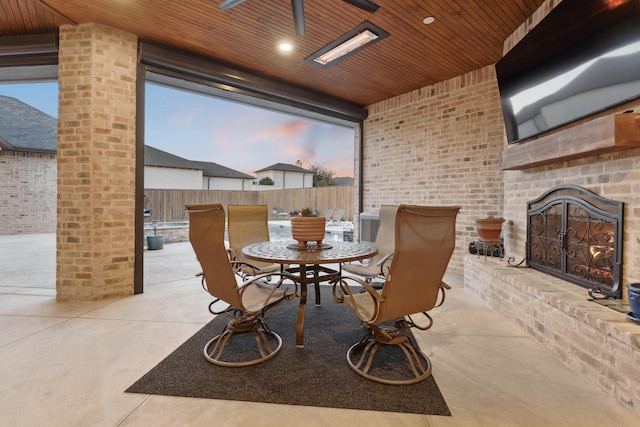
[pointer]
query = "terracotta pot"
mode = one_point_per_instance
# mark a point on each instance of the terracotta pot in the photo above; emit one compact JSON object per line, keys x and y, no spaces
{"x":308,"y":229}
{"x":489,"y":228}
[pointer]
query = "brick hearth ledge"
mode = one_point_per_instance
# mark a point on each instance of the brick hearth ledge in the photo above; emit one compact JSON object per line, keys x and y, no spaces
{"x":596,"y":341}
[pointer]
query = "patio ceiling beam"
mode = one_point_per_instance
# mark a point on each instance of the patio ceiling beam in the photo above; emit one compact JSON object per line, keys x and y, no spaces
{"x":163,"y":60}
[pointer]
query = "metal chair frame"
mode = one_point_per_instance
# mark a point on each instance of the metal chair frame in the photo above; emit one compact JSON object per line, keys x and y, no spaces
{"x":423,"y":234}
{"x":245,"y":303}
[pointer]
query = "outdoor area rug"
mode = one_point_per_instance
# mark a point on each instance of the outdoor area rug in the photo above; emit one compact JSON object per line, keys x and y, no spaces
{"x":316,"y":375}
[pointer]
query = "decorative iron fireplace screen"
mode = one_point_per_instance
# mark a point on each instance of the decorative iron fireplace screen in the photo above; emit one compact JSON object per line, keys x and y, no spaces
{"x":576,"y":235}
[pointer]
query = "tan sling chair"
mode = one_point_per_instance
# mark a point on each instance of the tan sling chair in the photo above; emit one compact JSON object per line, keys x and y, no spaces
{"x":247,"y":301}
{"x":424,"y":243}
{"x":248,"y":224}
{"x":377,"y":267}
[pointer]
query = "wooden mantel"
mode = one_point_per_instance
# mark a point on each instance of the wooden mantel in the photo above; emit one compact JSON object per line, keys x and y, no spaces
{"x":598,"y":136}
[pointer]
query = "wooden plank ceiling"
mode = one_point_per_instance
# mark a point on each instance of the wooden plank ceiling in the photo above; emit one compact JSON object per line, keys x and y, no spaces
{"x":466,"y":35}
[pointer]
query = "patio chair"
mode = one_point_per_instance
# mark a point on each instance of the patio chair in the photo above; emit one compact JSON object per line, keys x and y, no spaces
{"x":246,"y":303}
{"x":280,"y":213}
{"x":378,"y":266}
{"x":337,"y":217}
{"x":388,"y":353}
{"x":329,"y":214}
{"x":248,"y":224}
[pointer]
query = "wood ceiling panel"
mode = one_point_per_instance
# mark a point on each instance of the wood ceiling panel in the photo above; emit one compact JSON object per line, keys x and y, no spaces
{"x":466,"y":35}
{"x":21,"y":17}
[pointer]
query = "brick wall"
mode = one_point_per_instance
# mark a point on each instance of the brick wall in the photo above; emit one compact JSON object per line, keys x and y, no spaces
{"x":615,"y":176}
{"x":28,"y":193}
{"x":596,"y":341}
{"x":438,"y":145}
{"x":96,"y":162}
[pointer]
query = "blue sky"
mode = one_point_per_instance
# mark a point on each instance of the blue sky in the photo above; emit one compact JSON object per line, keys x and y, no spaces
{"x":234,"y":135}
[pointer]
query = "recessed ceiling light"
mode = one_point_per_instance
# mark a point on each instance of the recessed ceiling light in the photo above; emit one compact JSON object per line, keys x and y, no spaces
{"x":285,"y":47}
{"x":428,"y":20}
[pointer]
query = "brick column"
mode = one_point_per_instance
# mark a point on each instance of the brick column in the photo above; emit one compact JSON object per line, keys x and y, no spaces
{"x":96,"y":163}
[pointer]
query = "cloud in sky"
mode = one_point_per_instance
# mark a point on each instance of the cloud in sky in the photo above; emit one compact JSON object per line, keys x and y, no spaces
{"x":234,"y":135}
{"x":242,"y":137}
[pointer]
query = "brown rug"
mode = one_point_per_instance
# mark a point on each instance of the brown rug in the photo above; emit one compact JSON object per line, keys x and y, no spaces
{"x":316,"y":375}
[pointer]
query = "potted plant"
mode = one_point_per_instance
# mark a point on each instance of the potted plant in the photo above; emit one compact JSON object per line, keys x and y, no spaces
{"x":308,"y":227}
{"x":155,"y":240}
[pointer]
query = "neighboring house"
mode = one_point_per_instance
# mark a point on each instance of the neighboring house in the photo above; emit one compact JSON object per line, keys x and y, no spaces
{"x":218,"y":177}
{"x":28,"y":170}
{"x":285,"y":176}
{"x":26,"y":129}
{"x":168,"y":171}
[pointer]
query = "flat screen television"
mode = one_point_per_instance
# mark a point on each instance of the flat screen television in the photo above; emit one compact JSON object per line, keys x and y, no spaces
{"x":582,"y":58}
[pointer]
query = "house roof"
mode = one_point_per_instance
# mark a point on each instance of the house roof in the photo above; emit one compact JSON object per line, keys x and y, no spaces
{"x":155,"y":157}
{"x":284,"y":167}
{"x":159,"y":158}
{"x":219,"y":171}
{"x":24,"y":128}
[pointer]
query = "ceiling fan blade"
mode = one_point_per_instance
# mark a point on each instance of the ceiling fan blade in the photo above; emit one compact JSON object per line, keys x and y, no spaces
{"x":228,"y":4}
{"x":297,"y":6}
{"x":367,"y":5}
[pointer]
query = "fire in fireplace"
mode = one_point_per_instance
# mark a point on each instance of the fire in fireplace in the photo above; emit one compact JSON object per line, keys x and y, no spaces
{"x":576,"y":235}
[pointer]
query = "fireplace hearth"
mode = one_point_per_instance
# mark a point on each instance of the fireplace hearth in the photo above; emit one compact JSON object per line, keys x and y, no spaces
{"x":576,"y":235}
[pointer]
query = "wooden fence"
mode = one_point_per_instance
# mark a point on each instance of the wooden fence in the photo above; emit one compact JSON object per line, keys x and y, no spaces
{"x":168,"y":205}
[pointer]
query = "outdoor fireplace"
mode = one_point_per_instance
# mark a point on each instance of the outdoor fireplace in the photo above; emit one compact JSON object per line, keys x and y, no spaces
{"x":576,"y":235}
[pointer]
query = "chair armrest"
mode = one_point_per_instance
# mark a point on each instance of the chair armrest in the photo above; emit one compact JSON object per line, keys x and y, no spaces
{"x":237,"y":267}
{"x":260,"y":280}
{"x":442,"y":287}
{"x":385,"y":264}
{"x":365,"y":261}
{"x":384,"y":259}
{"x":342,"y":293}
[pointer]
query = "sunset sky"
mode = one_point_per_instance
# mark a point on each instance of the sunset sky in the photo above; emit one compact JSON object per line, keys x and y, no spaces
{"x":234,"y":135}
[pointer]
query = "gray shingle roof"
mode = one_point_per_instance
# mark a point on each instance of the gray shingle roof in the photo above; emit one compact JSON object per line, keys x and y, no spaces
{"x":155,"y":157}
{"x":159,"y":158}
{"x":284,"y":167}
{"x":24,"y":128}
{"x":219,"y":171}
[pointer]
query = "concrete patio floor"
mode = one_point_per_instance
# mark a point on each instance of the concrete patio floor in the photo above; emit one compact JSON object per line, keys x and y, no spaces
{"x":68,"y":364}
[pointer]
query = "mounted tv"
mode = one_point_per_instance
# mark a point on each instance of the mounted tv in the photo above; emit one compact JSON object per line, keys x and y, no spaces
{"x":581,"y":59}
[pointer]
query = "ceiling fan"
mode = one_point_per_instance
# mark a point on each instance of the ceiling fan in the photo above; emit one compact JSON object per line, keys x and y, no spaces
{"x":297,"y":7}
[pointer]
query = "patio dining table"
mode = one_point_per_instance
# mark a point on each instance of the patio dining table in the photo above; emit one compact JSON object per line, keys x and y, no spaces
{"x":309,"y":268}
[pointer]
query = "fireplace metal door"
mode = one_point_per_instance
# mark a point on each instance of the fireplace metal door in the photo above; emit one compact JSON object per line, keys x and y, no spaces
{"x":576,"y":235}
